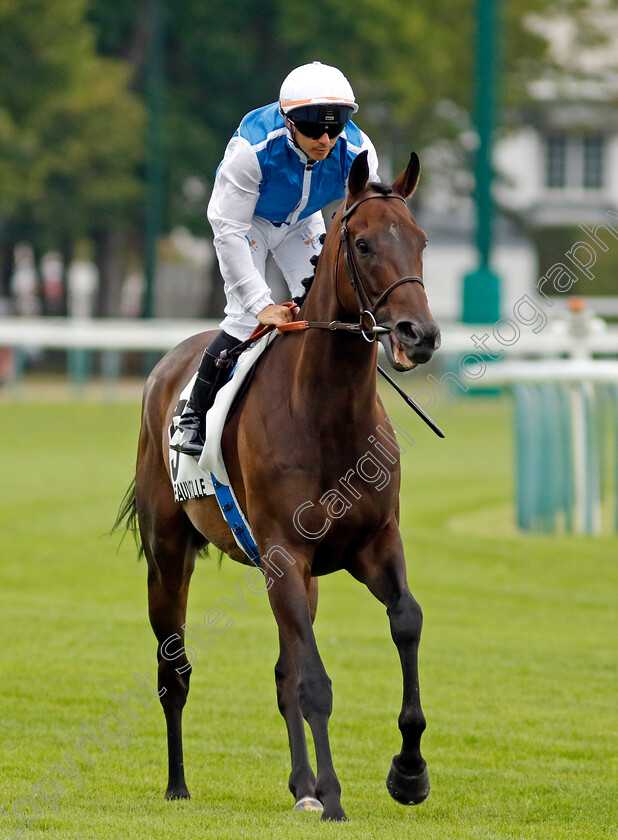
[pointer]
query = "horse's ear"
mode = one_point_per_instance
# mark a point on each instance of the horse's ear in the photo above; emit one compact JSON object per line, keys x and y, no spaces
{"x":359,"y":175}
{"x":405,"y":183}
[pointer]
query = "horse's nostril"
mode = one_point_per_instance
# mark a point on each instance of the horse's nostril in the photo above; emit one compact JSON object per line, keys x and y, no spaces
{"x":415,"y":335}
{"x":409,"y":333}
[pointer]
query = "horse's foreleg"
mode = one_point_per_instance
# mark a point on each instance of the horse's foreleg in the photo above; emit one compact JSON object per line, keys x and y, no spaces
{"x":290,"y":604}
{"x":408,"y":780}
{"x":302,"y":778}
{"x":382,"y":568}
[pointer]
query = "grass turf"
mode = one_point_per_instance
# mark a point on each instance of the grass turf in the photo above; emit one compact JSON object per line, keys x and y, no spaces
{"x":517,"y":658}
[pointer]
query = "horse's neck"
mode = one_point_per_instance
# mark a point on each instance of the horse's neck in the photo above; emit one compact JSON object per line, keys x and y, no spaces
{"x":335,"y":370}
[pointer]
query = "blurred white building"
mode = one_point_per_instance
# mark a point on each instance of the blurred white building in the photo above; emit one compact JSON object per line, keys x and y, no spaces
{"x":561,"y":168}
{"x":556,"y":166}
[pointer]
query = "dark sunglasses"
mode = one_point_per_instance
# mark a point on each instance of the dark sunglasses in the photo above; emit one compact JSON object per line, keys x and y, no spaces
{"x":316,"y":130}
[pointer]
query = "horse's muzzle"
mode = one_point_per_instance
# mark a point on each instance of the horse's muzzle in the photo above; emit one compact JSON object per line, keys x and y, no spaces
{"x":419,"y":341}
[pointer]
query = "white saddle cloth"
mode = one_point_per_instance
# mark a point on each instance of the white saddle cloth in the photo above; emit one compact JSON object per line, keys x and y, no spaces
{"x":191,"y":477}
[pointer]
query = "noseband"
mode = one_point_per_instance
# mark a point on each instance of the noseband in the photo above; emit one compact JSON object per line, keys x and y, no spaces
{"x":367,"y":309}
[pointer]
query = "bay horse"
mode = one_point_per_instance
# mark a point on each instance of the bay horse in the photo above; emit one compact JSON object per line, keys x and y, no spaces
{"x":295,"y":435}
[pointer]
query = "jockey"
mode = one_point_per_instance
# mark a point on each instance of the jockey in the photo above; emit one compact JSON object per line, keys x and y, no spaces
{"x":284,"y":164}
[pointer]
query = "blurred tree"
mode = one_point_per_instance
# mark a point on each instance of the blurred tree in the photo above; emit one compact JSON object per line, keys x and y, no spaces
{"x":71,"y":122}
{"x":93,"y":138}
{"x":35,"y":69}
{"x":222,"y":59}
{"x":412,"y":64}
{"x":225,"y":58}
{"x":70,"y":132}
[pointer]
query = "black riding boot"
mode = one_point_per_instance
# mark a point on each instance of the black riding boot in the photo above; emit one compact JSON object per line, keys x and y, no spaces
{"x":190,"y":431}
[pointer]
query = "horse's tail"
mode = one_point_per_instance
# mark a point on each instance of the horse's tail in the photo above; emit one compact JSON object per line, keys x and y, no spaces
{"x":127,"y":516}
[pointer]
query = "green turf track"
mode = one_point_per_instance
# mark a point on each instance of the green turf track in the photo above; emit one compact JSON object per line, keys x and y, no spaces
{"x":517,"y":659}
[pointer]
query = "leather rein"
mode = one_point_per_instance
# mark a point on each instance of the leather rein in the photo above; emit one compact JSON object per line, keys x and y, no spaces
{"x":367,"y":326}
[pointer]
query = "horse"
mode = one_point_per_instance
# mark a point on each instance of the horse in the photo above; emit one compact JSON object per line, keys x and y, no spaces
{"x":293,"y":438}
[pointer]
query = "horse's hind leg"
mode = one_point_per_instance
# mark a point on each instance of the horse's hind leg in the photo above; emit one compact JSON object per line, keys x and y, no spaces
{"x":170,"y":544}
{"x":381,"y":566}
{"x":302,"y":777}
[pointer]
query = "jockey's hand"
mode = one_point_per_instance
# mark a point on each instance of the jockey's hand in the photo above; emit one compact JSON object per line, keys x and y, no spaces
{"x":275,"y":315}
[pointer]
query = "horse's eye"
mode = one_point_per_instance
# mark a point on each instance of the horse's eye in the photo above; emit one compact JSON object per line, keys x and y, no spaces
{"x":362,"y":246}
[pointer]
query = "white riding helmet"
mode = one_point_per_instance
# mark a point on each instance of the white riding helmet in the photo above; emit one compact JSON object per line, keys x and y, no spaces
{"x":316,"y":84}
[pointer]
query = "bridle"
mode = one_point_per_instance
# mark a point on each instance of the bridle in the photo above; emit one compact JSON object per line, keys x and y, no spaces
{"x":367,"y":309}
{"x":370,"y":332}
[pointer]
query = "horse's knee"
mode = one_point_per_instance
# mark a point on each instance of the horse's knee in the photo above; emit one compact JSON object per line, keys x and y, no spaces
{"x":316,"y":695}
{"x":313,"y":692}
{"x":406,"y":620}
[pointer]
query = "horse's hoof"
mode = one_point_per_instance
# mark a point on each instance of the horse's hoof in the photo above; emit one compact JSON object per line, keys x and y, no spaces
{"x":334,"y":815}
{"x":409,"y":790}
{"x":177,"y":793}
{"x":308,"y":803}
